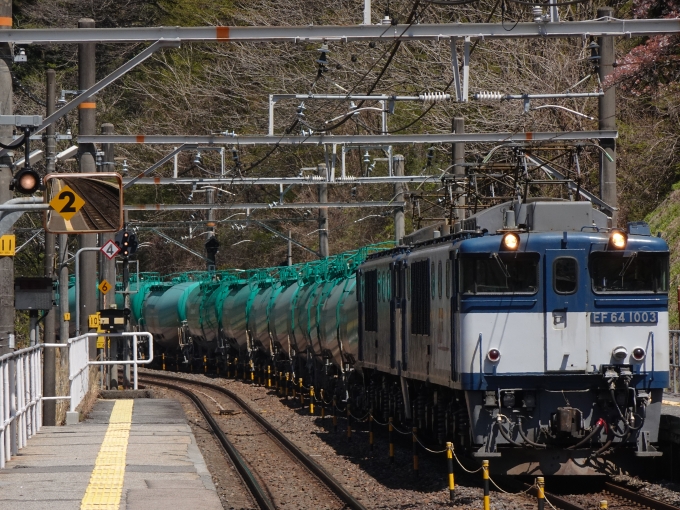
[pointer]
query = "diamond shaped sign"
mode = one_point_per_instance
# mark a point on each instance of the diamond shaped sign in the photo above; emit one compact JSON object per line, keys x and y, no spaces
{"x":110,"y":249}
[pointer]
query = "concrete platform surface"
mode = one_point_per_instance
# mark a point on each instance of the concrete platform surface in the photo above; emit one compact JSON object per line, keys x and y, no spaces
{"x":163,"y":467}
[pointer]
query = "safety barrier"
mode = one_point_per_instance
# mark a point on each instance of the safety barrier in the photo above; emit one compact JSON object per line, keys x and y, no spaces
{"x":21,"y":377}
{"x":20,"y":394}
{"x":675,"y":360}
{"x":79,"y":360}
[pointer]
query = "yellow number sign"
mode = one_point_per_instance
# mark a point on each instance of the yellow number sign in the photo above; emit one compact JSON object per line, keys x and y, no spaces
{"x":104,"y":287}
{"x":67,"y":203}
{"x":7,"y":245}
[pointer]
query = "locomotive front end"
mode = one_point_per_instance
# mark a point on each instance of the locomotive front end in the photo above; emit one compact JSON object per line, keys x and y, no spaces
{"x":564,"y":346}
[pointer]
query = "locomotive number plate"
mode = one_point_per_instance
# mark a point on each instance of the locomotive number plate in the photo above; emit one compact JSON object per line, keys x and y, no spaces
{"x":625,"y":317}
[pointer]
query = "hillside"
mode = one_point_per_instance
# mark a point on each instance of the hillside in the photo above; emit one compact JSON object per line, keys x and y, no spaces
{"x":666,"y":219}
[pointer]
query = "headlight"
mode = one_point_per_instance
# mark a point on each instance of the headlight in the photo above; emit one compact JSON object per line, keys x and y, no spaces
{"x":511,"y":241}
{"x":618,"y":239}
{"x":620,"y":353}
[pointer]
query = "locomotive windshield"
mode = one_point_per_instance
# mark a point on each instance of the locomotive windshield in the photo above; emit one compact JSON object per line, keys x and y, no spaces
{"x":629,"y":272}
{"x":500,"y":273}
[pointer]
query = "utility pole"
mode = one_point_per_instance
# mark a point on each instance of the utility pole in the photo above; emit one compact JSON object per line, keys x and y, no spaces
{"x":212,"y":245}
{"x":458,"y":158}
{"x":126,"y":296}
{"x":108,"y":268}
{"x":323,"y":211}
{"x":399,"y":226}
{"x":6,"y":263}
{"x":49,"y":355}
{"x":607,"y":119}
{"x":289,"y":255}
{"x":86,"y":126}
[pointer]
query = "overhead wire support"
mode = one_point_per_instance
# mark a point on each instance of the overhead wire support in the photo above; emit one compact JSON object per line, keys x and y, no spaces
{"x":328,"y":33}
{"x":102,"y":84}
{"x":351,"y":139}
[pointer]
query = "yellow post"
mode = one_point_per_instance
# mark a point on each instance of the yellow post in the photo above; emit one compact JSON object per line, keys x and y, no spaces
{"x":335,"y":416}
{"x":205,"y":364}
{"x":311,"y":400}
{"x":416,"y":468}
{"x":252,"y":371}
{"x":302,"y":395}
{"x":269,"y":376}
{"x":540,"y":494}
{"x":287,"y":383}
{"x":163,"y":358}
{"x":603,"y":504}
{"x":390,"y":431}
{"x":449,"y":465}
{"x":485,"y":475}
{"x":349,"y":421}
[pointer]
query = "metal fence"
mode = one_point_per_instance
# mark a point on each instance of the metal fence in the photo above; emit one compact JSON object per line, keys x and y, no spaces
{"x":20,"y":394}
{"x":674,"y":383}
{"x":21,"y":386}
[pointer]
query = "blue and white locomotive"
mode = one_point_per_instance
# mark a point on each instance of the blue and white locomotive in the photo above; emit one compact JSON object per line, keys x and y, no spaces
{"x":535,"y":334}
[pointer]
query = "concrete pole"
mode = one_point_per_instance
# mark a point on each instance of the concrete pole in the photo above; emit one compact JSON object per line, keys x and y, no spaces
{"x":49,"y":355}
{"x":289,"y":256}
{"x":127,"y":351}
{"x":458,"y":158}
{"x":367,"y":12}
{"x":607,"y":117}
{"x":399,"y":225}
{"x":108,"y":267}
{"x":86,"y":126}
{"x":323,"y":212}
{"x":6,"y":263}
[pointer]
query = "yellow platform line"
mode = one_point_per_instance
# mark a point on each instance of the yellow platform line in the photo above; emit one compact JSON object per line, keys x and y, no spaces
{"x":106,"y":482}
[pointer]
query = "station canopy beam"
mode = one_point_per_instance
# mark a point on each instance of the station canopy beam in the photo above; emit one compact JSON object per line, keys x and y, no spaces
{"x":316,"y":139}
{"x":328,"y":33}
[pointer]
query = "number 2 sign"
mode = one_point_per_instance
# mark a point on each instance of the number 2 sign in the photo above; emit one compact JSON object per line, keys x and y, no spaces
{"x":67,"y":203}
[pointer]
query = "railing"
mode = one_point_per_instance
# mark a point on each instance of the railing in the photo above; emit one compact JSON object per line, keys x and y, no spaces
{"x":674,"y":335}
{"x":21,"y":386}
{"x":79,"y":361}
{"x":20,"y":394}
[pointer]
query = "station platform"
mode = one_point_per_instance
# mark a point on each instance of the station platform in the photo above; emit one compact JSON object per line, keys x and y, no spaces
{"x":129,"y":454}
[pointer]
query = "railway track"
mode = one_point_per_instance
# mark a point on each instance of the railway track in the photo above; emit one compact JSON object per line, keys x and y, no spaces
{"x":277,"y":473}
{"x":617,"y":497}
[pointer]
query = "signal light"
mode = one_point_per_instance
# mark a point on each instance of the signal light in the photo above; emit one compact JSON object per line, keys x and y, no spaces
{"x":26,"y":181}
{"x":493,"y":355}
{"x":619,"y":353}
{"x":618,"y":239}
{"x":511,"y":241}
{"x":639,"y":354}
{"x":127,"y":242}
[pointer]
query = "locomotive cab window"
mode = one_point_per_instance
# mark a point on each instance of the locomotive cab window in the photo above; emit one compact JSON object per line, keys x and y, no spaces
{"x":630,"y":272}
{"x":565,"y":275}
{"x":499,"y":273}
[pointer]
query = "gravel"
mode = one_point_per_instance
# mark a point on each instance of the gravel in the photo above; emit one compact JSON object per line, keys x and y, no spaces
{"x":369,"y":476}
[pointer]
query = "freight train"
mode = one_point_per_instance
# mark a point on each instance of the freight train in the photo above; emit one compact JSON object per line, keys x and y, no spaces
{"x":531,"y":333}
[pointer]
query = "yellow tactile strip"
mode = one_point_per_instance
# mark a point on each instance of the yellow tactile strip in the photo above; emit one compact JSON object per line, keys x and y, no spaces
{"x":106,"y":482}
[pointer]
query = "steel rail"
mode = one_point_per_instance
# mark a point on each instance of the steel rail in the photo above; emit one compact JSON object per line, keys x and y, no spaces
{"x":326,"y":33}
{"x":310,"y":464}
{"x":257,"y":491}
{"x":325,"y":139}
{"x":635,"y":497}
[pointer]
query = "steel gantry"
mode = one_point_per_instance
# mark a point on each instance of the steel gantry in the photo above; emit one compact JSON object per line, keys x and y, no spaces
{"x":315,"y":139}
{"x":599,"y":27}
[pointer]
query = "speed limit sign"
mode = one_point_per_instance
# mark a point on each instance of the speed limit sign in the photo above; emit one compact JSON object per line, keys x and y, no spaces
{"x":110,"y":249}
